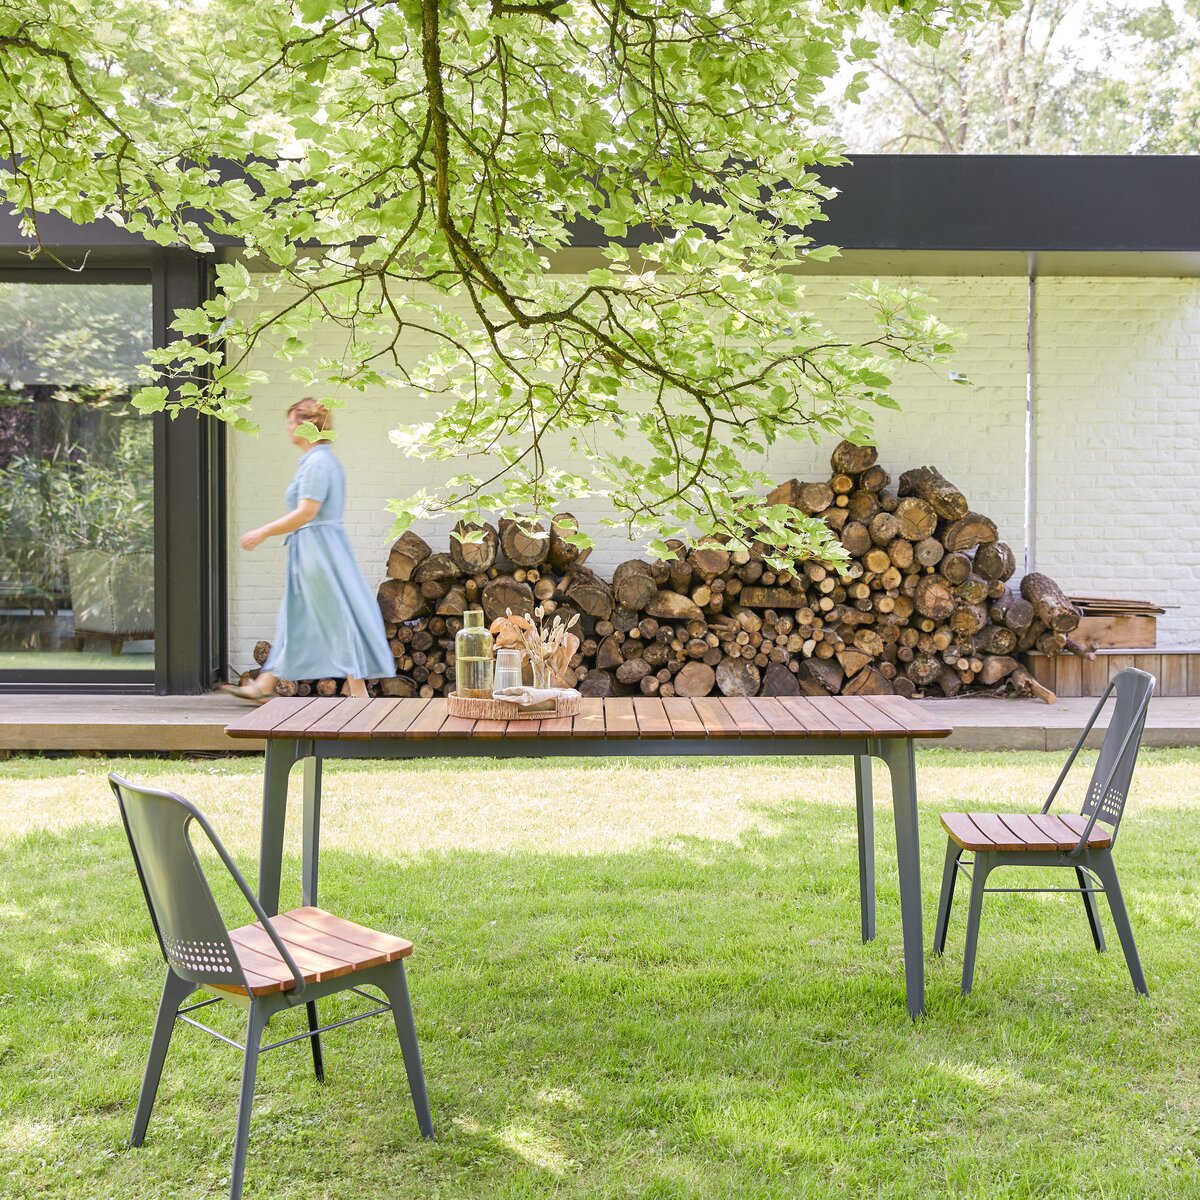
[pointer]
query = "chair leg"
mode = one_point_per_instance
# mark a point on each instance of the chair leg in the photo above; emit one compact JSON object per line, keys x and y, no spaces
{"x":949,"y":879}
{"x":979,"y":874}
{"x":175,"y":992}
{"x":395,"y":987}
{"x":254,"y":1032}
{"x":314,"y":1022}
{"x":1092,"y":908}
{"x":1106,"y":869}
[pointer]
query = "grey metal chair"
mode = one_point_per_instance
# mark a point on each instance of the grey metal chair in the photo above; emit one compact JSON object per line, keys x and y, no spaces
{"x":278,"y":963}
{"x":1082,"y":842}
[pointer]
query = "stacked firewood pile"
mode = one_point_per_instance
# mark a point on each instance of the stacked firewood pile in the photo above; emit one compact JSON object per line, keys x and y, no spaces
{"x":922,"y":607}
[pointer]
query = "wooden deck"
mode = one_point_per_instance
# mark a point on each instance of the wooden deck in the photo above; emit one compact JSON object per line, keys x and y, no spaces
{"x":196,"y":724}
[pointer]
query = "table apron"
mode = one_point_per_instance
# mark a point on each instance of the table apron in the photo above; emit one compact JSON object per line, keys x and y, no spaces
{"x":468,"y":747}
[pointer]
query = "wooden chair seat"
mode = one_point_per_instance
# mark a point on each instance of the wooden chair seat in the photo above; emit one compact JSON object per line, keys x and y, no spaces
{"x":324,"y":947}
{"x":1009,"y":832}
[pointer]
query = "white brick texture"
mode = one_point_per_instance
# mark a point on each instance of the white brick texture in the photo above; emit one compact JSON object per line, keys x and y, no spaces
{"x":1116,"y":374}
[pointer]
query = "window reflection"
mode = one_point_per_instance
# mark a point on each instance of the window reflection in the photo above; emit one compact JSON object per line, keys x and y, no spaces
{"x":76,"y":478}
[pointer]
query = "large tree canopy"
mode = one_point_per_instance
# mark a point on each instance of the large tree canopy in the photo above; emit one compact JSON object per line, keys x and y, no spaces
{"x":385,"y":163}
{"x":1057,"y":77}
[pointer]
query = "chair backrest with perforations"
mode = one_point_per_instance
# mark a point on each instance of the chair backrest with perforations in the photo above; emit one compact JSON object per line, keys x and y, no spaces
{"x":193,"y":936}
{"x":1133,"y":689}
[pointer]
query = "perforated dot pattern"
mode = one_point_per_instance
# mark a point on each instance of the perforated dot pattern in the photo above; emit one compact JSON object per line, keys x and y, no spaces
{"x":1108,"y":803}
{"x":211,"y":958}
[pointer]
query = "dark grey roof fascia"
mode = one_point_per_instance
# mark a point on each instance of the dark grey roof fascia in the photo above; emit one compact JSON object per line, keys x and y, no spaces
{"x":901,"y":202}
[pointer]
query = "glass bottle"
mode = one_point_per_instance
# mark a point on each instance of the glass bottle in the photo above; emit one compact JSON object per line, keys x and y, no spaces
{"x":508,"y":669}
{"x":473,"y":657}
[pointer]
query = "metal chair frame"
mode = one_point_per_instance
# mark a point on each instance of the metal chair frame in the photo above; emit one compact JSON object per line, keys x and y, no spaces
{"x":1094,"y":869}
{"x":175,"y":927}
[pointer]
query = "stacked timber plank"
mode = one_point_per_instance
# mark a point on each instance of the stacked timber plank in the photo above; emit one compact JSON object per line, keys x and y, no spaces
{"x":923,"y":605}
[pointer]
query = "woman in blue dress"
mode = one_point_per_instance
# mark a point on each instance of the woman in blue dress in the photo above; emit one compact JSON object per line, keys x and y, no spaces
{"x":329,"y":622}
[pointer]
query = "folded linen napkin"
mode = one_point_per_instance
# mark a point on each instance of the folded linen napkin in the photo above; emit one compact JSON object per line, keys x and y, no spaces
{"x":526,"y":697}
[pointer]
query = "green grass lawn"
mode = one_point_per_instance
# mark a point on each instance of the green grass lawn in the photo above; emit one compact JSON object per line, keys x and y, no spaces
{"x":631,"y":980}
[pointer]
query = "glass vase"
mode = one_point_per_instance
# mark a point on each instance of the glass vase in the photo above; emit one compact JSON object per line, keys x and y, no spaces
{"x":473,"y":657}
{"x":540,"y":670}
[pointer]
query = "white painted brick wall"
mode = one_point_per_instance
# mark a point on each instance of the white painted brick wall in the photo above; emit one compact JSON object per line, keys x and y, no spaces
{"x":1117,"y":374}
{"x":975,"y":435}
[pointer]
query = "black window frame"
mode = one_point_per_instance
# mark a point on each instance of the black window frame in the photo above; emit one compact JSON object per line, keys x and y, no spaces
{"x":189,"y":501}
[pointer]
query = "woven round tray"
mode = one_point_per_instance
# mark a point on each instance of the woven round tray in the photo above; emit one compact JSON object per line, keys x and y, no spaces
{"x":506,"y":710}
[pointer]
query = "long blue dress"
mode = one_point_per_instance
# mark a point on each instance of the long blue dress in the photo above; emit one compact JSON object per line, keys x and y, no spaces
{"x":329,"y":622}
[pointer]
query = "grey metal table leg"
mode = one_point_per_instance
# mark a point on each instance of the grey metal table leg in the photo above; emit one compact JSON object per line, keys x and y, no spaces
{"x":865,"y":807}
{"x":280,"y":757}
{"x":309,"y":861}
{"x":312,"y":830}
{"x":901,"y":762}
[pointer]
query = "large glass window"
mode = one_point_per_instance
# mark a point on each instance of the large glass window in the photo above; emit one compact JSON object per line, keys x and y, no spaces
{"x":76,"y":477}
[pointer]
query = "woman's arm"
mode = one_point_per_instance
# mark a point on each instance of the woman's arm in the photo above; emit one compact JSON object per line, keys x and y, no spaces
{"x":300,"y":516}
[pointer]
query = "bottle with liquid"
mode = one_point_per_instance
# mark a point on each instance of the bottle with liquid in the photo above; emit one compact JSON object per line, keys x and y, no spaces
{"x":473,"y":657}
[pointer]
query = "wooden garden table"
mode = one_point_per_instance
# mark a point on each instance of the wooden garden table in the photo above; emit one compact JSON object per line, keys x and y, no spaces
{"x":861,"y":727}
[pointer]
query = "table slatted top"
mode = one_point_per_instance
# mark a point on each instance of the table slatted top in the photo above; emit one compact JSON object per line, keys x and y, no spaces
{"x":625,"y":717}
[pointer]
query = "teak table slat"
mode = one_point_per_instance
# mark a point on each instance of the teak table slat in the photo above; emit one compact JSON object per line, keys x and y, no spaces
{"x":860,"y":727}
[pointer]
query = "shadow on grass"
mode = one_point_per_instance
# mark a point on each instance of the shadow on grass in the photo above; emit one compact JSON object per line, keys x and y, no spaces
{"x":698,"y":1020}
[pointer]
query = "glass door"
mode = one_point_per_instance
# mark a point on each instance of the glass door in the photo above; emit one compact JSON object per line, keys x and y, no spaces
{"x":76,"y":477}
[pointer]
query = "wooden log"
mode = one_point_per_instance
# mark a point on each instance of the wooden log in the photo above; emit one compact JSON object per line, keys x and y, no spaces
{"x":850,"y":459}
{"x":929,"y":552}
{"x":436,"y":568}
{"x":901,"y":553}
{"x":738,"y":677}
{"x":400,"y":600}
{"x":852,"y":661}
{"x":968,"y":619}
{"x":524,"y":543}
{"x":870,"y":681}
{"x":930,"y":485}
{"x":923,"y":670}
{"x":633,"y":584}
{"x":454,"y":603}
{"x":856,"y":537}
{"x":995,"y":560}
{"x":1050,"y":602}
{"x":954,"y":568}
{"x":1026,"y":685}
{"x":934,"y":598}
{"x":809,"y":498}
{"x":970,"y":531}
{"x":972,"y":590}
{"x":560,"y":553}
{"x":590,"y":594}
{"x":695,"y":679}
{"x":995,"y":639}
{"x":916,"y":518}
{"x":672,"y":606}
{"x":598,"y":684}
{"x":772,"y":597}
{"x":995,"y":668}
{"x":262,"y":651}
{"x":408,"y":552}
{"x":398,"y":687}
{"x":874,"y":479}
{"x":633,"y":670}
{"x":474,"y":547}
{"x":863,"y":506}
{"x":708,"y":561}
{"x":777,"y":680}
{"x":842,"y":485}
{"x":884,"y":528}
{"x":503,"y":593}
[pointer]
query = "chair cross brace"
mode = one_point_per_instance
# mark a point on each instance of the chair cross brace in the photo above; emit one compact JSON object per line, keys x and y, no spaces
{"x":1095,"y":887}
{"x":299,"y":1037}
